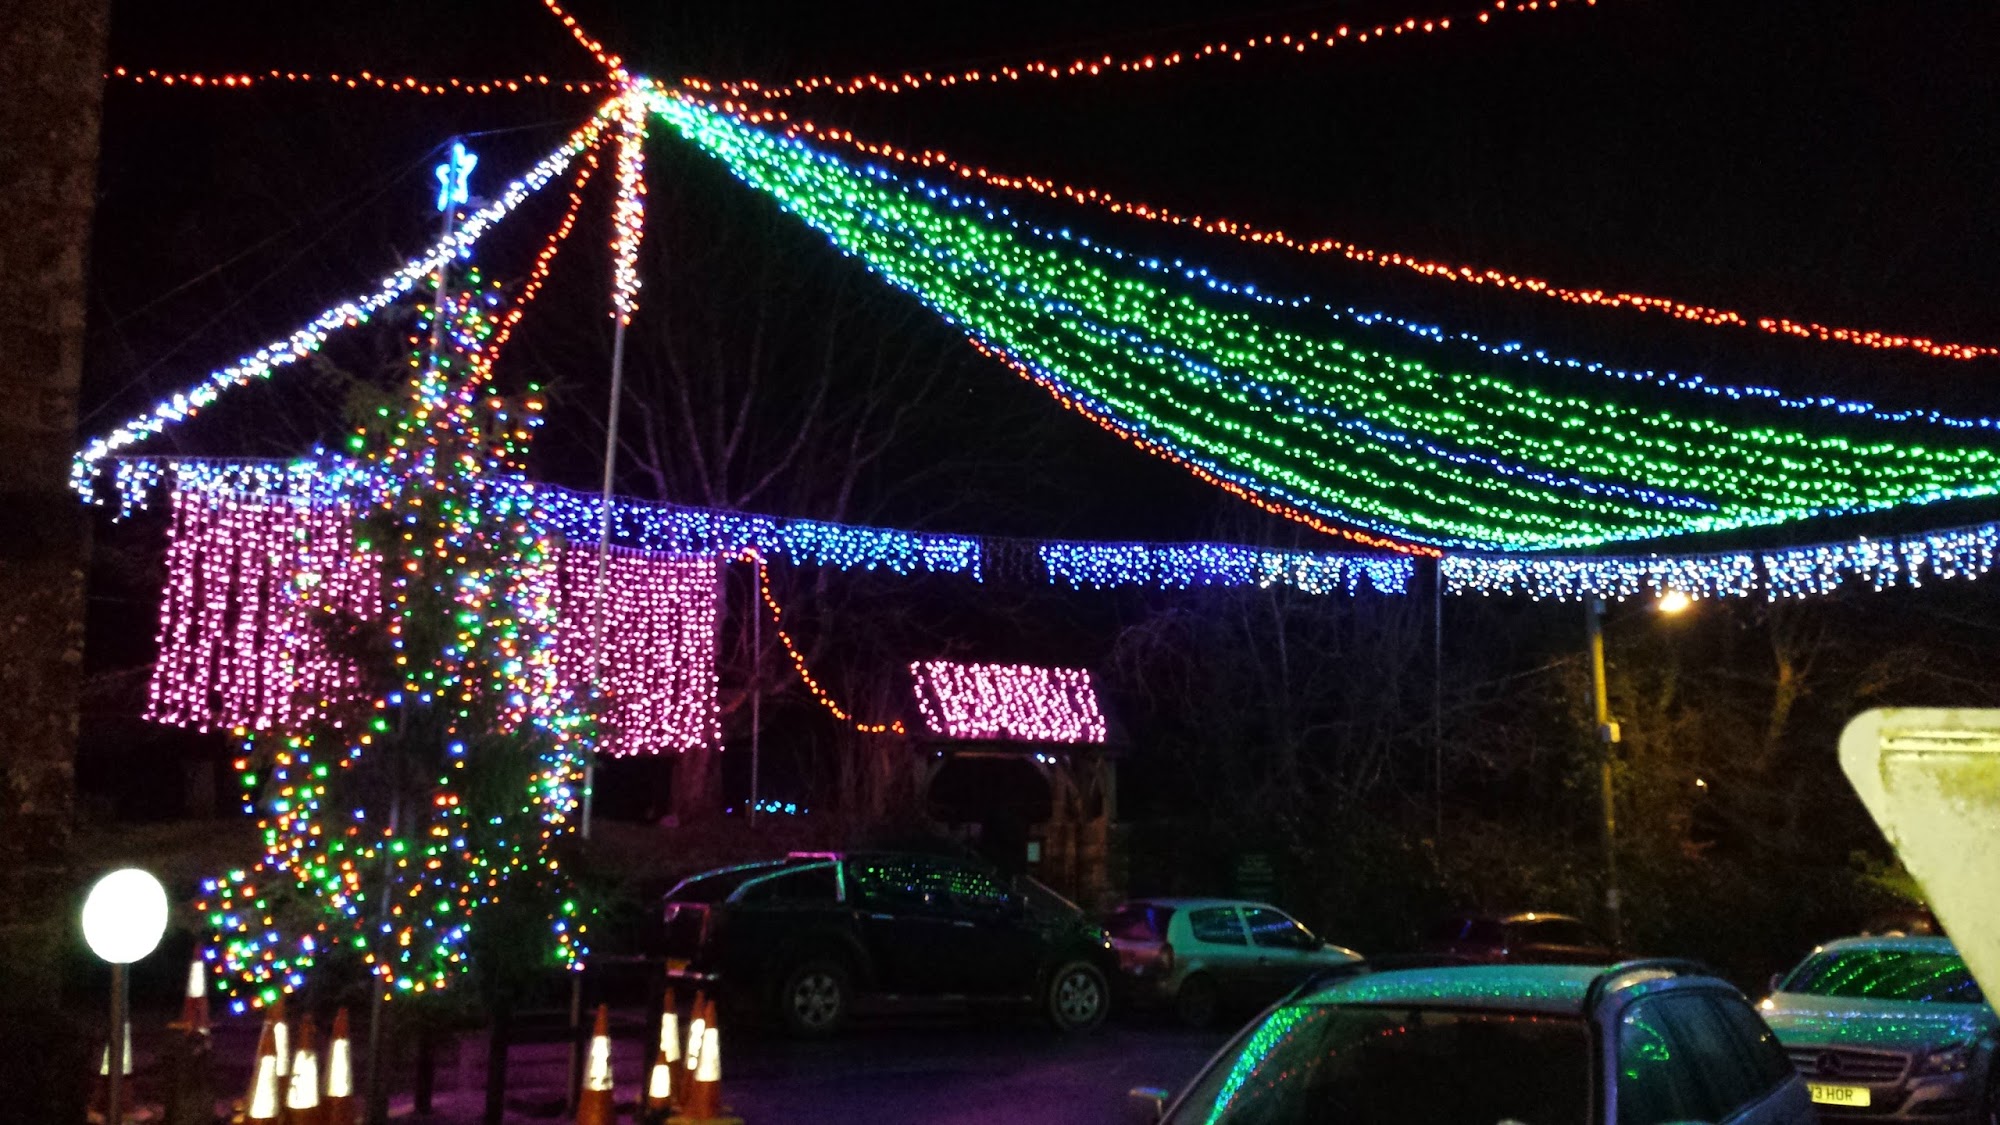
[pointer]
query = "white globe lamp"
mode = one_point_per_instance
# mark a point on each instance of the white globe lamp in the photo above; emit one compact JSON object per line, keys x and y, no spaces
{"x":123,"y":918}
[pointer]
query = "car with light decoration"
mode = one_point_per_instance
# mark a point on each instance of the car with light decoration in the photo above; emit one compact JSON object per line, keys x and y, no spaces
{"x":1639,"y":1043}
{"x":804,"y":937}
{"x":1890,"y":1029}
{"x":1203,"y":957}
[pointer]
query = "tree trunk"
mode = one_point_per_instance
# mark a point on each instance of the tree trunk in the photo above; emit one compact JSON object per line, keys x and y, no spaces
{"x":51,"y":65}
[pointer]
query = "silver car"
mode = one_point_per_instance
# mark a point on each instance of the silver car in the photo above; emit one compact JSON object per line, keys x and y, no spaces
{"x":1890,"y":1029}
{"x":1205,"y":955}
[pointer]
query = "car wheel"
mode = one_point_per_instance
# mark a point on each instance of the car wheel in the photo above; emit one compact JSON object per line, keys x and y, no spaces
{"x":1078,"y":996}
{"x":1198,"y":1001}
{"x":813,"y":998}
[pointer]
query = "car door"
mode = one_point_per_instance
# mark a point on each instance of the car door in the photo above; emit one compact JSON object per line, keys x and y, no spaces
{"x":904,"y":923}
{"x":1688,"y":1063}
{"x":1279,"y":945}
{"x":994,"y":945}
{"x":1221,"y":949}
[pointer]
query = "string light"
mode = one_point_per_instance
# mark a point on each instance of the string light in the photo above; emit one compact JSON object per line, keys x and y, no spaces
{"x":629,"y":215}
{"x":612,"y":64}
{"x":812,"y":684}
{"x":1014,"y":702}
{"x":261,"y":363}
{"x":1192,"y":565}
{"x":1796,"y":572}
{"x":1095,"y":66}
{"x":659,"y":648}
{"x":1435,"y":269}
{"x":364,"y":80}
{"x":1334,"y":428}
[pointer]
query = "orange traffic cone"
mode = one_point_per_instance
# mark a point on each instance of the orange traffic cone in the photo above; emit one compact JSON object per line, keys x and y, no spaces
{"x":302,"y":1092}
{"x":697,"y":1023}
{"x":659,"y":1098}
{"x":101,"y":1096}
{"x":282,"y":1027}
{"x":264,"y":1099}
{"x":194,"y":1008}
{"x":339,"y":1075}
{"x":703,"y":1100}
{"x":594,"y":1105}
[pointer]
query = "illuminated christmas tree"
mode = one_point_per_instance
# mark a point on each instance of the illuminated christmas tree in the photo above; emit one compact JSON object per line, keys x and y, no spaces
{"x":399,"y":820}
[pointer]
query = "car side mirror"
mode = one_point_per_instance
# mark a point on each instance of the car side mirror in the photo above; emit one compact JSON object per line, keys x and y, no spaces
{"x":1147,"y":1104}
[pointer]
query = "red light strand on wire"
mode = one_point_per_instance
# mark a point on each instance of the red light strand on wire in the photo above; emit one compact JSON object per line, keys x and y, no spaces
{"x":1284,"y":511}
{"x":1440,"y":271}
{"x":545,"y":259}
{"x":364,"y":80}
{"x":611,"y":63}
{"x":894,"y":726}
{"x":1232,"y":50}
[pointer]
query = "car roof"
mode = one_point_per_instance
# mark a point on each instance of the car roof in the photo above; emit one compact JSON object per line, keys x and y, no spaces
{"x":1191,"y":902}
{"x":1542,"y":989}
{"x":1924,"y":943}
{"x":1508,"y":917}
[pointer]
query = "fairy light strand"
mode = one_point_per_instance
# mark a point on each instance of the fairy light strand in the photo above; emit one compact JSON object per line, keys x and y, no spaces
{"x":1268,"y":45}
{"x":308,"y":339}
{"x":1334,"y":428}
{"x":1008,"y":702}
{"x":361,"y":80}
{"x":1431,"y":268}
{"x":812,"y":684}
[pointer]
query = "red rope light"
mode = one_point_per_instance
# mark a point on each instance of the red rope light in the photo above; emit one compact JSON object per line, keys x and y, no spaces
{"x":826,"y":700}
{"x":364,"y":80}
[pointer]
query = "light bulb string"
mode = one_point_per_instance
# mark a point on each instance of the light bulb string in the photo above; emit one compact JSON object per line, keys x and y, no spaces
{"x":812,"y":684}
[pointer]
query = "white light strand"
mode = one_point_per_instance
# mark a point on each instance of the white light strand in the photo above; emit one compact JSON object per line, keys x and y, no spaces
{"x":261,"y":363}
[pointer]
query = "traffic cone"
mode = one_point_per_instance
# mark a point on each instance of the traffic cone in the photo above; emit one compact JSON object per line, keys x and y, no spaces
{"x":659,"y":1098}
{"x":281,"y":1032}
{"x":697,"y":1023}
{"x":302,"y":1092}
{"x":194,"y":1008}
{"x":339,"y":1075}
{"x":594,"y":1105}
{"x":262,"y":1104}
{"x":703,"y":1100}
{"x":100,"y":1097}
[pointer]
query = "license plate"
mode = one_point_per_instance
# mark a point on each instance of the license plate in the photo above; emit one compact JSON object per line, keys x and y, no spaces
{"x":1838,"y":1095}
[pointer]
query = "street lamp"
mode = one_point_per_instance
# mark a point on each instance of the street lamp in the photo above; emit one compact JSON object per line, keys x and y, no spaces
{"x":1671,"y":603}
{"x":123,"y":918}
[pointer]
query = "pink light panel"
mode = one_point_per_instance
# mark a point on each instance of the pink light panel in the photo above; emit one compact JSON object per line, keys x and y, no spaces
{"x":249,"y":576}
{"x":1016,"y":702}
{"x":659,"y":647}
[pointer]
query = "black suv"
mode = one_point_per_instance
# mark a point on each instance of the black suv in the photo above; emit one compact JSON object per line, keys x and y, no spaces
{"x":801,"y":936}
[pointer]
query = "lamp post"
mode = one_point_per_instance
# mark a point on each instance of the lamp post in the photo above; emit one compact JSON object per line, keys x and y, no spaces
{"x":1671,"y":602}
{"x":123,"y":919}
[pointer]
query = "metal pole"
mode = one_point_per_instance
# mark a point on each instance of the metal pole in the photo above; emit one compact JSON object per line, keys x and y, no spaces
{"x":604,"y":552}
{"x":1607,"y":738}
{"x":1437,"y":699}
{"x":756,"y":702}
{"x":114,"y":1048}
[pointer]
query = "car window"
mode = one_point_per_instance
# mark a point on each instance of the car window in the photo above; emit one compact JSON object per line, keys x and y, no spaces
{"x":812,"y":885}
{"x":1369,"y":1065}
{"x":1561,"y":931}
{"x":896,"y":883}
{"x":1274,"y":929}
{"x":1932,"y":976}
{"x":1756,"y":1040}
{"x":1216,"y":925}
{"x":1656,"y":1083}
{"x":1730,"y":1077}
{"x":1139,"y":921}
{"x":973,"y":893}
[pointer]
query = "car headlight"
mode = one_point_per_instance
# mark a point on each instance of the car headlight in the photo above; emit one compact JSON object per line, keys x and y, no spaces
{"x":1947,"y":1060}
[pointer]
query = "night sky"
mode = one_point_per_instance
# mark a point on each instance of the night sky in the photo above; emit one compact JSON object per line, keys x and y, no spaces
{"x":1821,"y":159}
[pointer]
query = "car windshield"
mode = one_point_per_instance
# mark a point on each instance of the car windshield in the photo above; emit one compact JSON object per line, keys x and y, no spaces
{"x":1381,"y":1065}
{"x":1927,"y":976}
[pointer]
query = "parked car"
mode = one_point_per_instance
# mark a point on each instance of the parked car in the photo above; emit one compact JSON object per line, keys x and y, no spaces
{"x":801,"y":937}
{"x":1203,"y":956}
{"x":1531,"y":936}
{"x":1641,"y":1043}
{"x":1890,"y":1029}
